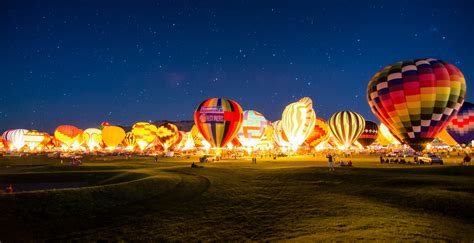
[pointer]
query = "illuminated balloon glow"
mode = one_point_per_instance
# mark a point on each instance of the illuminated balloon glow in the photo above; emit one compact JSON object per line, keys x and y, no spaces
{"x":416,"y":99}
{"x":461,"y":127}
{"x":112,"y":136}
{"x":145,"y":134}
{"x":167,"y":133}
{"x":370,"y":133}
{"x":92,"y":138}
{"x":446,"y":138}
{"x":279,"y":135}
{"x":387,"y":135}
{"x":252,"y":129}
{"x":298,"y":120}
{"x":346,"y":126}
{"x":129,"y":141}
{"x":15,"y":139}
{"x":34,"y":139}
{"x":319,"y":134}
{"x":218,"y":120}
{"x":69,"y":136}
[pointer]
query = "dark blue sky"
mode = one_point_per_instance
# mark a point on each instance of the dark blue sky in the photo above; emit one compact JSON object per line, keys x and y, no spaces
{"x":84,"y":62}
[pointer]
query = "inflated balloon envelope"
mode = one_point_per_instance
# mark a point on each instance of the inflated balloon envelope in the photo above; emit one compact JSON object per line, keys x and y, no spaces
{"x":218,"y":120}
{"x":416,"y":99}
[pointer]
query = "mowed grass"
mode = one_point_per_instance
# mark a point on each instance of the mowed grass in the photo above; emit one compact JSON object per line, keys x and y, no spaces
{"x":294,"y":198}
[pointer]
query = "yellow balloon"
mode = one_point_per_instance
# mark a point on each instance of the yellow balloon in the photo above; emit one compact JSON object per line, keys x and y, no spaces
{"x":387,"y":135}
{"x":446,"y":138}
{"x":112,"y":136}
{"x":145,"y":134}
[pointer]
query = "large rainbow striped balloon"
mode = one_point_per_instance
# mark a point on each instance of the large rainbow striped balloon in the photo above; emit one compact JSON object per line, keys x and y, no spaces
{"x":461,"y":127}
{"x":253,"y":128}
{"x":218,"y":120}
{"x":298,"y":120}
{"x":416,"y":99}
{"x":346,"y":126}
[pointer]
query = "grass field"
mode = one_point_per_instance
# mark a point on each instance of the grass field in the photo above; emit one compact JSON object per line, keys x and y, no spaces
{"x":293,"y":198}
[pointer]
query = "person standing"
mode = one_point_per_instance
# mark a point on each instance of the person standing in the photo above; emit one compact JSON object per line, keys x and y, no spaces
{"x":330,"y":162}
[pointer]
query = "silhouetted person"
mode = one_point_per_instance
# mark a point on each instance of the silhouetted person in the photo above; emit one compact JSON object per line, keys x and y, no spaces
{"x":9,"y":188}
{"x":467,"y":159}
{"x":381,"y":159}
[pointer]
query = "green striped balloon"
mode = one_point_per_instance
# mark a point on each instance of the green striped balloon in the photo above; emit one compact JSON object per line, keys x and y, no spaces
{"x":346,"y":126}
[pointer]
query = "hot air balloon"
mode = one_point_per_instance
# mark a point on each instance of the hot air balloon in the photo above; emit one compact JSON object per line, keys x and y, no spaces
{"x":92,"y":137}
{"x":252,"y":129}
{"x":416,"y":99}
{"x":198,"y":139}
{"x":112,"y":136}
{"x":446,"y":138}
{"x":218,"y":120}
{"x":279,"y":135}
{"x":385,"y":134}
{"x":145,"y":134}
{"x":461,"y":127}
{"x":34,"y":139}
{"x":2,"y":144}
{"x":129,"y":141}
{"x":298,"y":120}
{"x":370,"y":133}
{"x":15,"y":139}
{"x":346,"y":126}
{"x":319,"y":134}
{"x":69,"y":136}
{"x":167,"y":133}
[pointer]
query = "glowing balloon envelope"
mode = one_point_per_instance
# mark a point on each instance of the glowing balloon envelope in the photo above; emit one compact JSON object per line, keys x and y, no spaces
{"x":167,"y":133}
{"x":34,"y":139}
{"x":370,"y":133}
{"x":446,"y":138}
{"x":387,"y":135}
{"x":416,"y":99}
{"x":346,"y":126}
{"x":298,"y":120}
{"x":15,"y":138}
{"x":218,"y":120}
{"x":92,"y":137}
{"x":252,"y":129}
{"x":112,"y":136}
{"x":129,"y":141}
{"x":279,"y":135}
{"x":145,"y":134}
{"x":319,"y":134}
{"x":461,"y":127}
{"x":68,"y":135}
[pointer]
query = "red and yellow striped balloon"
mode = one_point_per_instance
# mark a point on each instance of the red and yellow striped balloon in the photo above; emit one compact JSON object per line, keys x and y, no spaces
{"x":218,"y":120}
{"x":319,"y":134}
{"x":68,"y":135}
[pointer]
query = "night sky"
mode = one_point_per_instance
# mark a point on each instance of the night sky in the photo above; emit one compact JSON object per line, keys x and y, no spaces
{"x":84,"y":62}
